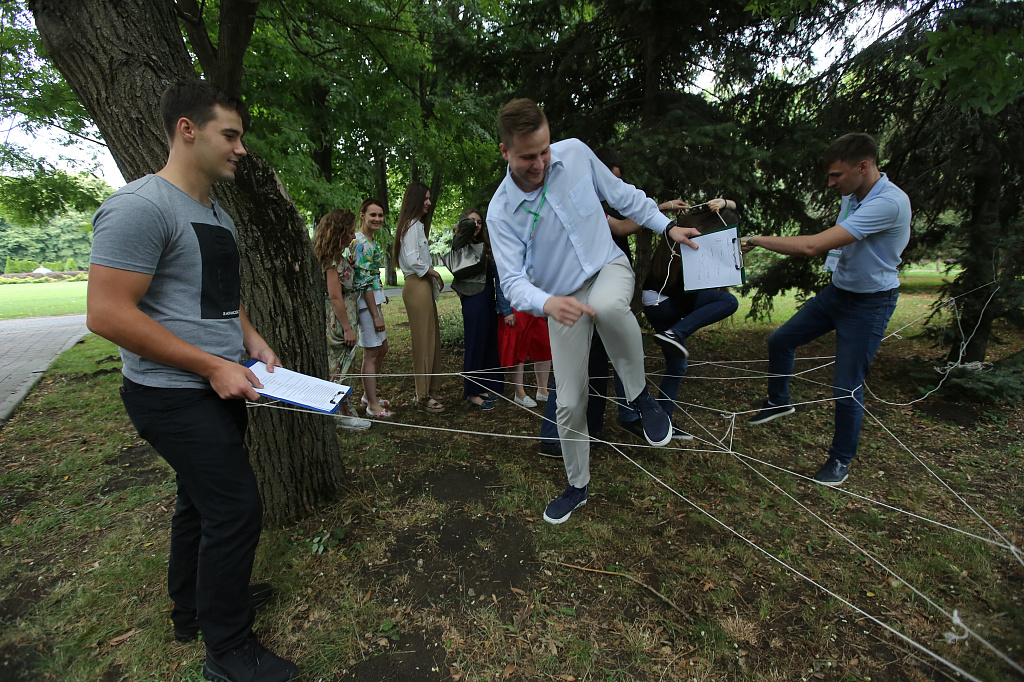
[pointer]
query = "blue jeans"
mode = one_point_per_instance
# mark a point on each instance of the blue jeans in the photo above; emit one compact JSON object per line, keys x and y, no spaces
{"x":709,"y":306}
{"x":859,"y":321}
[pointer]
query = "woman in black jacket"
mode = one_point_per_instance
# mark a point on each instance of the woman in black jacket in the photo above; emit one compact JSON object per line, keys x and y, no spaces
{"x":475,"y":286}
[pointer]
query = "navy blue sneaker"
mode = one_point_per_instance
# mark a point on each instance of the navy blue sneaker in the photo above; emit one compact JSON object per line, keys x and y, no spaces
{"x":633,"y":427}
{"x":769,"y":412}
{"x":551,"y":449}
{"x":672,"y":343}
{"x":560,"y":508}
{"x":833,"y":473}
{"x":657,"y":427}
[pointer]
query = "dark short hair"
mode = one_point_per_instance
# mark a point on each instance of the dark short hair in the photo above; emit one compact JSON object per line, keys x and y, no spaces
{"x":611,"y":158}
{"x":851,"y":148}
{"x":519,"y":117}
{"x":194,"y":99}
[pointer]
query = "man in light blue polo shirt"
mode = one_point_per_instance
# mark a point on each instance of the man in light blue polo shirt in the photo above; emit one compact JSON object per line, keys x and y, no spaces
{"x":864,"y":249}
{"x":555,"y":257}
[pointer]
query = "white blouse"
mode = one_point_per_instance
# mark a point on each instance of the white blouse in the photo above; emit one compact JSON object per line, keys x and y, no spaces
{"x":414,"y":258}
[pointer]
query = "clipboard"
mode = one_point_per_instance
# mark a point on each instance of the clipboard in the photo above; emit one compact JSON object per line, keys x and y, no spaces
{"x":299,"y":389}
{"x":717,"y":263}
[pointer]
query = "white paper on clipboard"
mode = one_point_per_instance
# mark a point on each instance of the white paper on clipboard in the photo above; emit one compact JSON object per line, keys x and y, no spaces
{"x":298,"y":389}
{"x":717,"y":263}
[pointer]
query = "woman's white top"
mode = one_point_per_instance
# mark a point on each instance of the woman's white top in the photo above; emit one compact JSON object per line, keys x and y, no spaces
{"x":414,"y":258}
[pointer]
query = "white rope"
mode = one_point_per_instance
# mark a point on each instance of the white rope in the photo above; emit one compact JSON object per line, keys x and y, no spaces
{"x":955,"y":619}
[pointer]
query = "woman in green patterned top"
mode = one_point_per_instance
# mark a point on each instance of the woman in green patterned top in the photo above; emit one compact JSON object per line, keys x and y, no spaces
{"x":368,"y":260}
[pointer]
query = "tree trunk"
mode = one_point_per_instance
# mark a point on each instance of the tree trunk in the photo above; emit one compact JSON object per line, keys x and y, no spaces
{"x":118,"y":58}
{"x":981,"y":255}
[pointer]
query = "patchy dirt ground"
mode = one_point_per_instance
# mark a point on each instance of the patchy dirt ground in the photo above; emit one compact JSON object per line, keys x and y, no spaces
{"x":443,"y":569}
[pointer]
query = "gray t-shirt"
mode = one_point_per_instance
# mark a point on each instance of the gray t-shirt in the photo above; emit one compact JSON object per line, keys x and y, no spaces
{"x":151,"y":226}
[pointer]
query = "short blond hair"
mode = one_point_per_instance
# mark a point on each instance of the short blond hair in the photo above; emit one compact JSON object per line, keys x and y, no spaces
{"x":519,"y":116}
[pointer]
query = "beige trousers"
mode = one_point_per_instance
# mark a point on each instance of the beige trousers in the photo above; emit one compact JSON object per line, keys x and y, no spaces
{"x":418,"y":294}
{"x":608,"y":293}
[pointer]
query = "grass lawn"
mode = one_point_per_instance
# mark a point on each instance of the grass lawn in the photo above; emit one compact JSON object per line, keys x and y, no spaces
{"x":42,"y":300}
{"x":66,"y":298}
{"x":442,"y":568}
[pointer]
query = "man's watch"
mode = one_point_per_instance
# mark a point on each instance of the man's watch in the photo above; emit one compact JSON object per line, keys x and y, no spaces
{"x":670,"y":225}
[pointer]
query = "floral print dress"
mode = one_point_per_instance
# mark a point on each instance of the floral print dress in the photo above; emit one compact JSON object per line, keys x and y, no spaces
{"x":340,"y":355}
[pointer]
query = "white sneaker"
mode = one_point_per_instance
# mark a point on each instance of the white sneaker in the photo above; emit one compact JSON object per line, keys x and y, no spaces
{"x":541,"y":398}
{"x":352,"y":423}
{"x":525,"y":401}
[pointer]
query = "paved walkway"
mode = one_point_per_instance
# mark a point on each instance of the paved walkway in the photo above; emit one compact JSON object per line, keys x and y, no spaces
{"x":27,"y":349}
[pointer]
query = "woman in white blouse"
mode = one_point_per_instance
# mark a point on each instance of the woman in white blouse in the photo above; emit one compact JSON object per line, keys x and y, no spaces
{"x":422,"y":283}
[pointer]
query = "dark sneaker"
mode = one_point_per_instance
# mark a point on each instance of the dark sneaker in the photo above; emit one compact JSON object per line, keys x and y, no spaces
{"x":833,"y":473}
{"x":552,"y":449}
{"x":252,"y":662}
{"x":679,"y":434}
{"x":672,"y":343}
{"x":657,"y":427}
{"x":560,"y":508}
{"x":769,"y":412}
{"x":634,"y":427}
{"x":259,"y":594}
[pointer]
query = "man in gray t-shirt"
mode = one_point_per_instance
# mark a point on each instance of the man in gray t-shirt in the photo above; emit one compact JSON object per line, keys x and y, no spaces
{"x":165,"y":287}
{"x":864,"y":249}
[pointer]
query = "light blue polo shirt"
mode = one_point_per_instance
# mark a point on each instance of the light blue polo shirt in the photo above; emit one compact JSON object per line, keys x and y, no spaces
{"x":881,"y":225}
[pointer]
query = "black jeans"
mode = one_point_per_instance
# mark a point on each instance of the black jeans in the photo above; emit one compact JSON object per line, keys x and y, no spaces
{"x":218,"y":516}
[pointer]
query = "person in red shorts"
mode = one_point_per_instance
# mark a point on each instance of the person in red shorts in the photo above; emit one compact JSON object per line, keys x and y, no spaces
{"x":522,"y":337}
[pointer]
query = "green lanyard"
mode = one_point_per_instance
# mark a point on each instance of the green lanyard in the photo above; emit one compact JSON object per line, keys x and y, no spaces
{"x":536,"y":217}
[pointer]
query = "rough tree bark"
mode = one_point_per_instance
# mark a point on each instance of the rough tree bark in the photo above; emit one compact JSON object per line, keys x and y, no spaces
{"x":118,"y":58}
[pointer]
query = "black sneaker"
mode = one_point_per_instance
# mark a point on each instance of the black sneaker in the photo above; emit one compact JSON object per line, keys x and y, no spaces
{"x":833,"y":473}
{"x":259,"y":594}
{"x":657,"y":427}
{"x":560,"y":508}
{"x":552,"y":449}
{"x":672,"y":343}
{"x":769,"y":412}
{"x":679,"y":434}
{"x":252,"y":662}
{"x":634,"y":427}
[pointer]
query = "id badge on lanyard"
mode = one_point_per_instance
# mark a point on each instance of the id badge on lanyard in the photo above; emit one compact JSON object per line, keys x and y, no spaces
{"x":832,"y":260}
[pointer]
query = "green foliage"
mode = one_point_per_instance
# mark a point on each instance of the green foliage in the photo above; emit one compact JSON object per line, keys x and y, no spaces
{"x":975,"y":67}
{"x":47,"y":192}
{"x":325,"y":541}
{"x":451,"y":328}
{"x":14,"y":266}
{"x":988,"y":386}
{"x":61,"y":238}
{"x":70,"y":265}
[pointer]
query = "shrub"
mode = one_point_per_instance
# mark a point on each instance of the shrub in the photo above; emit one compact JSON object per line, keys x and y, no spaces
{"x":70,"y":265}
{"x":15,"y":266}
{"x":450,"y":323}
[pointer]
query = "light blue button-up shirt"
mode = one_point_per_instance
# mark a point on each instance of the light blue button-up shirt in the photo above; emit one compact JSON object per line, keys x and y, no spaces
{"x":571,"y":241}
{"x":881,"y":224}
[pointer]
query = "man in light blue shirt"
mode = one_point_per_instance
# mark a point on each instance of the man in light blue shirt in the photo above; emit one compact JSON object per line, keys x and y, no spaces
{"x":864,"y":249}
{"x":555,"y":257}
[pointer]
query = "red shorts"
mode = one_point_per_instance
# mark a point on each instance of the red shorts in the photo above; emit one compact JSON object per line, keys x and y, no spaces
{"x":527,"y":340}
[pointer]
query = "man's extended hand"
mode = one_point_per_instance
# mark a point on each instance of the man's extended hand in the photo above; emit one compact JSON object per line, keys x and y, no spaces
{"x":232,"y":380}
{"x":566,"y":309}
{"x":682,"y":235}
